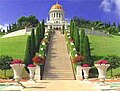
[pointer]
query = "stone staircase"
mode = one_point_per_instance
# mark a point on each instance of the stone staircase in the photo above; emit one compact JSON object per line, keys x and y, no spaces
{"x":58,"y":65}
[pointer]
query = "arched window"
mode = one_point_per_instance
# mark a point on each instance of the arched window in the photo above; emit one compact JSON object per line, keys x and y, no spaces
{"x":57,"y":14}
{"x":54,"y":14}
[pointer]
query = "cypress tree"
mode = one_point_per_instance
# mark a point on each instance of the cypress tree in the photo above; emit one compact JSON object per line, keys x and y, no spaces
{"x":42,"y":29}
{"x":33,"y":50}
{"x":76,"y":38}
{"x":82,"y":36}
{"x":37,"y":38}
{"x":28,"y":59}
{"x":87,"y":53}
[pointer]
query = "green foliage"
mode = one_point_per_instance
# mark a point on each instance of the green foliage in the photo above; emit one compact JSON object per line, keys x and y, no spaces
{"x":28,"y":57}
{"x":86,"y":49}
{"x":72,"y":28}
{"x":97,"y":25}
{"x":42,"y":29}
{"x":76,"y":38}
{"x":29,"y":21}
{"x":37,"y":38}
{"x":82,"y":36}
{"x":33,"y":50}
{"x":5,"y":63}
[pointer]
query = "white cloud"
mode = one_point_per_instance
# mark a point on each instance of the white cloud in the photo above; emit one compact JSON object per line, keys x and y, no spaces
{"x":117,"y":4}
{"x":106,"y":5}
{"x":3,"y":27}
{"x":109,"y":6}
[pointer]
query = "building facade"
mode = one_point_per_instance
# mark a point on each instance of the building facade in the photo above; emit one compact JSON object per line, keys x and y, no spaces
{"x":56,"y":18}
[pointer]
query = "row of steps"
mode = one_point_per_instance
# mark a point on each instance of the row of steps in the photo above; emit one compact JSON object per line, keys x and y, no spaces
{"x":58,"y":64}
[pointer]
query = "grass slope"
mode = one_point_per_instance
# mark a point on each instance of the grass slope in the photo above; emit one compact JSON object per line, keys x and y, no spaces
{"x":104,"y":45}
{"x":13,"y":46}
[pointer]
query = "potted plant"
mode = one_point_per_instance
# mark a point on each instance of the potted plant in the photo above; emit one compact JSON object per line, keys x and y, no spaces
{"x":38,"y":61}
{"x":102,"y":66}
{"x":32,"y":69}
{"x":86,"y":68}
{"x":78,"y":61}
{"x":17,"y":66}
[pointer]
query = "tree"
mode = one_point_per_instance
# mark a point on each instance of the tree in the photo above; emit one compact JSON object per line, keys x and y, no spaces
{"x":10,"y":28}
{"x":42,"y":29}
{"x":82,"y":36}
{"x":114,"y":62}
{"x":33,"y":50}
{"x":37,"y":38}
{"x":87,"y":53}
{"x":5,"y":63}
{"x":30,"y":21}
{"x":28,"y":58}
{"x":76,"y":38}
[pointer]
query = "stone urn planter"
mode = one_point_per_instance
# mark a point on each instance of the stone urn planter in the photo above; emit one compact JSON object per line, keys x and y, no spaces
{"x":17,"y":68}
{"x":86,"y":68}
{"x":102,"y":66}
{"x":79,"y":73}
{"x":32,"y":69}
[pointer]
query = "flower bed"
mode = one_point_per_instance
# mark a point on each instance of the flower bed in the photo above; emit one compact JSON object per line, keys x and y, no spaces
{"x":17,"y":61}
{"x":31,"y":65}
{"x":102,"y":62}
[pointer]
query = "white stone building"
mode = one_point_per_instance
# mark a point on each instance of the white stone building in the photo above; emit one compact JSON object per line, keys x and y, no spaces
{"x":56,"y":18}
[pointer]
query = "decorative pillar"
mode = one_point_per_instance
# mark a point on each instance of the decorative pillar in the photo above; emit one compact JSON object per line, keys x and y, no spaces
{"x":79,"y":73}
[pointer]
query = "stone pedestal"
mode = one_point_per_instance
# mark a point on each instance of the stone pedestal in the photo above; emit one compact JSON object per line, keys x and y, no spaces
{"x":79,"y":73}
{"x":37,"y":73}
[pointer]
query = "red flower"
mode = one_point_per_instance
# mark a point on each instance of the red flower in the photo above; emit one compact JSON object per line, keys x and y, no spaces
{"x":78,"y":58}
{"x":71,"y":40}
{"x":102,"y":62}
{"x":85,"y":65}
{"x":17,"y":61}
{"x":31,"y":65}
{"x":38,"y":60}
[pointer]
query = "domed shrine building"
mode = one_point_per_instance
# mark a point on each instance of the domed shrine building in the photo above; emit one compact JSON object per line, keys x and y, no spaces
{"x":56,"y":18}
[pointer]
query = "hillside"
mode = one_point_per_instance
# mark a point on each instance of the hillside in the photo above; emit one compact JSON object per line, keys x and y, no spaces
{"x":13,"y":46}
{"x":104,"y":45}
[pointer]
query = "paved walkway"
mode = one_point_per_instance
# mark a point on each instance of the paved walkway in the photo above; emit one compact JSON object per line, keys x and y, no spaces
{"x":58,"y":64}
{"x":60,"y":85}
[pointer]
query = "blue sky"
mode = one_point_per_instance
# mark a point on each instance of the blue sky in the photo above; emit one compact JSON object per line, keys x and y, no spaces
{"x":105,"y":10}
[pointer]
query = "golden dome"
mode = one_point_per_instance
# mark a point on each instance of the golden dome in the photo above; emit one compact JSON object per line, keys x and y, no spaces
{"x":56,"y":6}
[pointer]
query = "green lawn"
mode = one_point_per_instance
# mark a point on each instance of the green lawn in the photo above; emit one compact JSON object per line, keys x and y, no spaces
{"x":102,"y":46}
{"x":14,"y":46}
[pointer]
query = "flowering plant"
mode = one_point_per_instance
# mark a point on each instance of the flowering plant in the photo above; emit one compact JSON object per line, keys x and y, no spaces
{"x":31,"y":65}
{"x":102,"y":62}
{"x":85,"y":65}
{"x":17,"y":61}
{"x":79,"y":58}
{"x":71,"y":40}
{"x":38,"y":60}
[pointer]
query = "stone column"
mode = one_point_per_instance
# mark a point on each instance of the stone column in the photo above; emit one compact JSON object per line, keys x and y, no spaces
{"x":79,"y":73}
